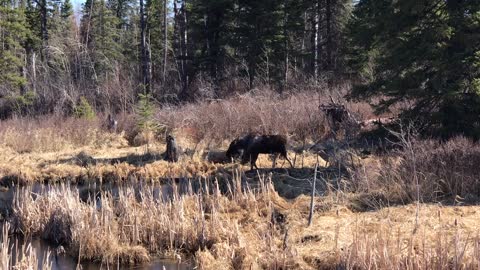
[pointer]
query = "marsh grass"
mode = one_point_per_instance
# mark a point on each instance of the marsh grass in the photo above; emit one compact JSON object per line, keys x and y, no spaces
{"x":25,"y":255}
{"x":427,"y":171}
{"x":247,"y":228}
{"x":131,"y":227}
{"x":363,"y":220}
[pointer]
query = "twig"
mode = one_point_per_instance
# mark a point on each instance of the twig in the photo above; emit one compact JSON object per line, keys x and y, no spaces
{"x":310,"y":216}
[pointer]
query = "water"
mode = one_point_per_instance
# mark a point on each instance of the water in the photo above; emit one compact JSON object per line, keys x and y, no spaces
{"x":63,"y":262}
{"x":161,"y":192}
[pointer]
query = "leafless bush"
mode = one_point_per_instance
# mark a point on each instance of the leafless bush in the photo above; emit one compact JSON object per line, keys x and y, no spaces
{"x":444,"y":171}
{"x":258,"y":111}
{"x":51,"y":133}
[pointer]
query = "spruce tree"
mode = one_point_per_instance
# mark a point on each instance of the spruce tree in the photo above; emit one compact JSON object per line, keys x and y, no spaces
{"x":425,"y":54}
{"x":13,"y":35}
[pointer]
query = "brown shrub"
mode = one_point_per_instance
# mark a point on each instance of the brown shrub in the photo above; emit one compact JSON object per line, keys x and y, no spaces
{"x":52,"y":133}
{"x":445,"y":171}
{"x":264,"y":112}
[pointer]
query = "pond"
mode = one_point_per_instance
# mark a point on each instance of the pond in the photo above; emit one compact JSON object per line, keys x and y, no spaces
{"x":63,"y":262}
{"x":161,"y":192}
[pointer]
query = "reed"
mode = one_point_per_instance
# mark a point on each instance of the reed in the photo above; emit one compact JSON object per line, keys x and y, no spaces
{"x":25,"y":255}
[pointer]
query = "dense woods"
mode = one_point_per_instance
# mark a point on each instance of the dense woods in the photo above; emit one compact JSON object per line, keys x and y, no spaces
{"x":423,"y":56}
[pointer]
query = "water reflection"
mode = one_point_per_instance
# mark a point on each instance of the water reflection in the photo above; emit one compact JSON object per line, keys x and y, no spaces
{"x":64,"y":262}
{"x":92,"y":193}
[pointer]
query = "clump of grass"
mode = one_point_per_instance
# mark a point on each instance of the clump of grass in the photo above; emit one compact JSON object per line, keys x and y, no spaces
{"x":26,"y":255}
{"x":386,"y":249}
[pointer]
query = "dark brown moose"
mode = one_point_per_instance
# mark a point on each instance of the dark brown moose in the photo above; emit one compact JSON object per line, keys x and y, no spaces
{"x":112,"y":123}
{"x":251,"y":145}
{"x":171,"y":154}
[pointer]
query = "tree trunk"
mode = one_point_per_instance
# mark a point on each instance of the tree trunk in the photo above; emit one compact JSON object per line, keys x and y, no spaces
{"x":34,"y":72}
{"x":185,"y":44}
{"x":315,"y":39}
{"x":43,"y":27}
{"x":329,"y":34}
{"x":285,"y":33}
{"x":165,"y":40}
{"x":144,"y":49}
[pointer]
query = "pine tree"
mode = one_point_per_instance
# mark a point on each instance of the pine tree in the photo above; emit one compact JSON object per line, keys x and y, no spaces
{"x":100,"y":35}
{"x":424,"y":53}
{"x":13,"y":35}
{"x":211,"y":27}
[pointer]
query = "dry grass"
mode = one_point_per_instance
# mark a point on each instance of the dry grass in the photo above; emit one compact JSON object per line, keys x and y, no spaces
{"x":54,"y":134}
{"x":297,"y":115}
{"x":56,"y":149}
{"x":251,"y":230}
{"x":244,"y":228}
{"x":25,"y":255}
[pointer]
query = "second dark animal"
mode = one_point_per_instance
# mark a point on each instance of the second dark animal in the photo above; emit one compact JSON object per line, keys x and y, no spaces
{"x":112,"y":123}
{"x":171,"y":154}
{"x":251,"y":145}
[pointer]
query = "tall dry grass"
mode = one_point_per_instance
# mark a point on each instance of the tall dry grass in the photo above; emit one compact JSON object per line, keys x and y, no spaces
{"x":386,"y":249}
{"x":25,"y":255}
{"x":130,"y":228}
{"x":266,"y":112}
{"x":247,"y":229}
{"x":54,"y":134}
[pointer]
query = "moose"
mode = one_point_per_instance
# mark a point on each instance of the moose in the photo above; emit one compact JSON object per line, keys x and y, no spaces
{"x":250,"y":146}
{"x":171,"y":154}
{"x":112,"y":123}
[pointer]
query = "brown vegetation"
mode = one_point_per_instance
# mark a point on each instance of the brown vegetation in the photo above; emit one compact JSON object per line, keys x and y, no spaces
{"x":251,"y":229}
{"x":443,"y":171}
{"x":252,"y":225}
{"x":25,"y":255}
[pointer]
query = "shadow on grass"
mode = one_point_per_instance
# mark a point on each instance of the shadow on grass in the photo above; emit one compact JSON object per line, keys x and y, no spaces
{"x":85,"y":160}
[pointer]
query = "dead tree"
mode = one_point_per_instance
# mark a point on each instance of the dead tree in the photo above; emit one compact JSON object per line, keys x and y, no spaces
{"x":171,"y":155}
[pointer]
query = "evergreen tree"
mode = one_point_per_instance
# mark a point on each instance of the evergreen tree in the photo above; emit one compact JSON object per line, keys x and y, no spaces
{"x":424,"y":53}
{"x":13,"y":35}
{"x":212,"y":31}
{"x":100,"y":34}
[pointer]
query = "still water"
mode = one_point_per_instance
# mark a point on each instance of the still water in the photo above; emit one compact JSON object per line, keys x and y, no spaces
{"x":63,"y":262}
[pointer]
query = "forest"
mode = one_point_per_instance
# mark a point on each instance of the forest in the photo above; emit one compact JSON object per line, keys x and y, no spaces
{"x":420,"y":55}
{"x":239,"y":134}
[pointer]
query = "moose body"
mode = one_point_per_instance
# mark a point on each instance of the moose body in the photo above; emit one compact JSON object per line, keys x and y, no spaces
{"x":239,"y":145}
{"x":251,"y":145}
{"x":171,"y":154}
{"x":112,"y":123}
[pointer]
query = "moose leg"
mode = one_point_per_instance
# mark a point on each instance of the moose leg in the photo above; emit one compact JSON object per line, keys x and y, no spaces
{"x":284,"y":154}
{"x":253,"y":161}
{"x":274,"y":162}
